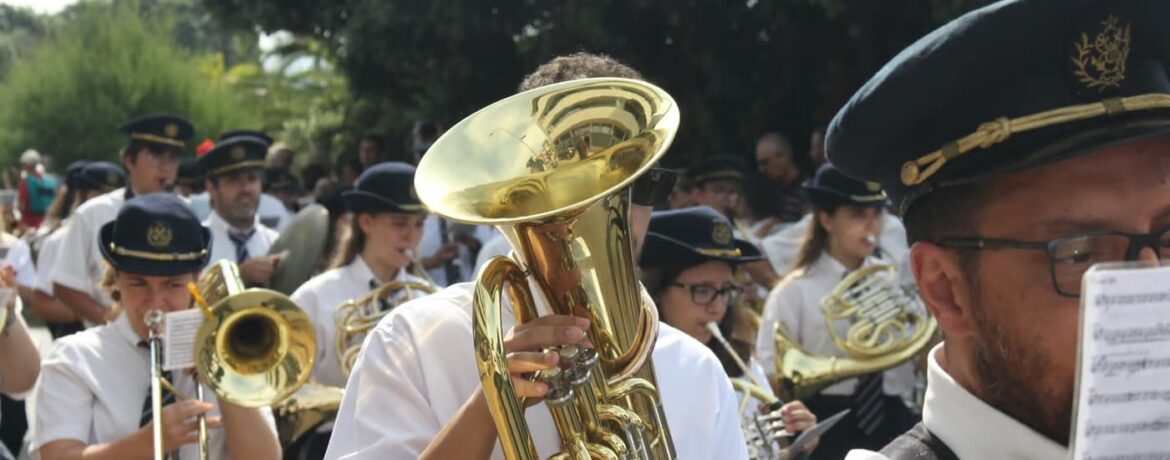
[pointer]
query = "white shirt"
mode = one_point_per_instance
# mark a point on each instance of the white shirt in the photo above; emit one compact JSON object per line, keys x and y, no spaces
{"x":972,"y":429}
{"x":93,"y":387}
{"x":272,"y":212}
{"x":79,"y":261}
{"x":432,"y":240}
{"x":782,"y":247}
{"x":47,"y":259}
{"x":319,"y":298}
{"x":201,"y":205}
{"x":222,"y":247}
{"x":497,"y":245}
{"x":796,"y":303}
{"x":19,"y":257}
{"x":418,"y":368}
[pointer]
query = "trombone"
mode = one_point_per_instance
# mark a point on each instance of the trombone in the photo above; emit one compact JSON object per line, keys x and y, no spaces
{"x":255,"y":347}
{"x":761,"y":431}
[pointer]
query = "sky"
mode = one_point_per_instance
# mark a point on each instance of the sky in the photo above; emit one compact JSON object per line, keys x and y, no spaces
{"x":42,"y":6}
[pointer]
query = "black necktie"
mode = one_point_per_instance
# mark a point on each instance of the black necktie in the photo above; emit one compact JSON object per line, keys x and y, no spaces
{"x":382,"y":304}
{"x":241,"y":242}
{"x":167,"y":396}
{"x":869,"y":403}
{"x":449,"y":268}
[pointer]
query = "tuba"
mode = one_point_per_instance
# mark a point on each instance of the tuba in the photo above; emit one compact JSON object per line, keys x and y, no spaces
{"x":255,"y":347}
{"x":551,"y":168}
{"x":887,"y":325}
{"x":355,"y":318}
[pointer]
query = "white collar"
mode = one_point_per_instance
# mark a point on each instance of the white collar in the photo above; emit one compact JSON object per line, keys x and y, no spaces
{"x":125,"y":330}
{"x":973,"y":429}
{"x":829,"y":266}
{"x":361,"y":271}
{"x":215,"y":222}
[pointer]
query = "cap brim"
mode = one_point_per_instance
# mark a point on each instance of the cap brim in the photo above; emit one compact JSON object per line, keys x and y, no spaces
{"x":823,"y":197}
{"x":358,"y":201}
{"x":660,"y":250}
{"x":147,"y":267}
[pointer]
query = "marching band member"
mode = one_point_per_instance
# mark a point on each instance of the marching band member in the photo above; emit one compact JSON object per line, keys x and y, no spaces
{"x":152,"y":159}
{"x":385,"y":231}
{"x":234,"y":170}
{"x":84,"y":182}
{"x":688,"y":268}
{"x":93,"y":396}
{"x":841,"y":238}
{"x":19,"y":360}
{"x":1006,"y":216}
{"x":415,"y":391}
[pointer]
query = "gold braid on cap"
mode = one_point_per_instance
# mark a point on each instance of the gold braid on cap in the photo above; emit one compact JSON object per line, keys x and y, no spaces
{"x":988,"y":134}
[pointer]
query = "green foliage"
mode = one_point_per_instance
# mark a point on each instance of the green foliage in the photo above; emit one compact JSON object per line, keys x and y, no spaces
{"x":102,"y":67}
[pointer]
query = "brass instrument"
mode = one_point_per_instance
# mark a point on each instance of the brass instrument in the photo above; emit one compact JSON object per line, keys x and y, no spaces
{"x":551,"y":168}
{"x":254,"y":348}
{"x":887,"y":325}
{"x":762,"y":431}
{"x":355,"y":318}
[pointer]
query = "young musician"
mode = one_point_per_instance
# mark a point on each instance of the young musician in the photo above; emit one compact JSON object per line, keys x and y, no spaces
{"x":93,"y":396}
{"x":152,"y":160}
{"x":1005,"y":214}
{"x":688,"y":268}
{"x":415,"y":391}
{"x":841,"y":238}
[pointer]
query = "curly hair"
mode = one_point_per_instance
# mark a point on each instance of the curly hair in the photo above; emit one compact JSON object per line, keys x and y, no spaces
{"x":576,"y":66}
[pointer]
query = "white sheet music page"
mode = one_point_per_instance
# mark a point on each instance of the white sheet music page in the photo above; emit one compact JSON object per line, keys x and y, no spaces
{"x":1123,"y":372}
{"x":179,"y":338}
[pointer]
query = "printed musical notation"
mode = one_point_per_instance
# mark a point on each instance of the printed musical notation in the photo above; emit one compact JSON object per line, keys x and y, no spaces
{"x":1123,"y":372}
{"x":179,"y":332}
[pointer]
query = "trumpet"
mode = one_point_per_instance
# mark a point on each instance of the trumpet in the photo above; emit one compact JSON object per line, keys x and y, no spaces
{"x":254,"y":348}
{"x":762,"y":430}
{"x":551,"y":168}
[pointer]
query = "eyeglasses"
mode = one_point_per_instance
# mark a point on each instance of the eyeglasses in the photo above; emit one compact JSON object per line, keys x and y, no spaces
{"x":1070,"y":256}
{"x":704,"y":294}
{"x":654,"y":187}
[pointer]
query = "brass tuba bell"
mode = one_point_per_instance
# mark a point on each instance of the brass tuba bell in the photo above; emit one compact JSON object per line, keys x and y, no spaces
{"x":887,"y":325}
{"x":550,"y":167}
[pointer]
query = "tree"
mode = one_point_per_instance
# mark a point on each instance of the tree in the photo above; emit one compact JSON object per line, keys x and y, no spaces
{"x":101,"y":67}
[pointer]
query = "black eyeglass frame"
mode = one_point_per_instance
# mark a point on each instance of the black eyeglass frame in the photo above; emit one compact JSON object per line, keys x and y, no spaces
{"x":1137,"y":242}
{"x":653,"y":187}
{"x":734,"y":288}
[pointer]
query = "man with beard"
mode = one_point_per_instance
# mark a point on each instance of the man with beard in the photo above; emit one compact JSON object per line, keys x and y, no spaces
{"x":1022,"y":143}
{"x":151,"y":159}
{"x":234,"y":169}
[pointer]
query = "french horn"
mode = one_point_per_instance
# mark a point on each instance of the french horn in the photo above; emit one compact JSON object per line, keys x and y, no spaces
{"x":355,"y":318}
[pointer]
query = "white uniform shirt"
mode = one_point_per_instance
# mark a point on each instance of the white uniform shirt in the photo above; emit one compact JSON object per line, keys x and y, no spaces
{"x":417,"y":368}
{"x":796,"y":302}
{"x":319,"y":298}
{"x":272,"y":212}
{"x":93,"y":387}
{"x":19,"y":257}
{"x":432,"y":240}
{"x":79,"y":261}
{"x":201,"y":205}
{"x":222,"y":247}
{"x":495,"y":246}
{"x":972,"y":429}
{"x":47,"y":259}
{"x":782,"y":247}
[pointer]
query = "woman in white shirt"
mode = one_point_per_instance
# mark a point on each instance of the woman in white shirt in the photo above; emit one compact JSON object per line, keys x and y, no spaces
{"x":688,"y":266}
{"x":842,"y":237}
{"x":386,"y":228}
{"x":92,"y":397}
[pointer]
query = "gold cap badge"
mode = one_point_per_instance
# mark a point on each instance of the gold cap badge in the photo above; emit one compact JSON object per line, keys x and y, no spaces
{"x":1100,"y":63}
{"x":158,"y":235}
{"x":112,"y":178}
{"x":721,"y":233}
{"x":873,"y":187}
{"x":238,"y":153}
{"x":171,"y":130}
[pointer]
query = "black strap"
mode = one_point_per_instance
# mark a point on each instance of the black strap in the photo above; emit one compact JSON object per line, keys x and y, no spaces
{"x":918,"y":444}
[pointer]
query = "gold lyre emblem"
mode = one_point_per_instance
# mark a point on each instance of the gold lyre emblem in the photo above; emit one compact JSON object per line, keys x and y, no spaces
{"x":721,"y":233}
{"x":112,"y":178}
{"x":873,"y":187}
{"x":1100,"y":64}
{"x":158,"y":235}
{"x":171,"y":130}
{"x":238,"y":154}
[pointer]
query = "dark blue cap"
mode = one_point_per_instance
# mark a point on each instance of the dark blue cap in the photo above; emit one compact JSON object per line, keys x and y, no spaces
{"x":718,"y":167}
{"x":692,"y":236}
{"x":831,"y":187}
{"x":169,"y":131}
{"x":100,"y":175}
{"x":1014,"y":85}
{"x":73,"y":173}
{"x":234,"y":154}
{"x":281,"y":180}
{"x":155,"y":234}
{"x":384,"y":187}
{"x":190,"y":173}
{"x":246,"y":132}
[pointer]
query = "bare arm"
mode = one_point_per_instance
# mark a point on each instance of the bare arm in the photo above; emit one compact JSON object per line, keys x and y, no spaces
{"x":471,"y":434}
{"x":179,"y":428}
{"x":248,"y":433}
{"x":47,"y":308}
{"x":81,"y":303}
{"x":19,"y":361}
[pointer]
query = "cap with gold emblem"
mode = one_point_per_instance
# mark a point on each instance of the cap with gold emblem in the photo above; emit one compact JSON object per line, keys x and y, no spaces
{"x":693,"y":235}
{"x":830,"y":187}
{"x":100,"y":175}
{"x":157,"y":235}
{"x":1013,"y":85}
{"x":247,"y":132}
{"x":234,"y":154}
{"x":384,"y":187}
{"x":718,"y":167}
{"x":168,"y":131}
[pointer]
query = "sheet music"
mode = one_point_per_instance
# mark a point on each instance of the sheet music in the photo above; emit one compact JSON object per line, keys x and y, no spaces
{"x":179,"y":338}
{"x":1123,"y":372}
{"x":816,"y":431}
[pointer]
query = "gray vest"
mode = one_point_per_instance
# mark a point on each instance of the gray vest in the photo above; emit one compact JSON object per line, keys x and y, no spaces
{"x":918,"y":444}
